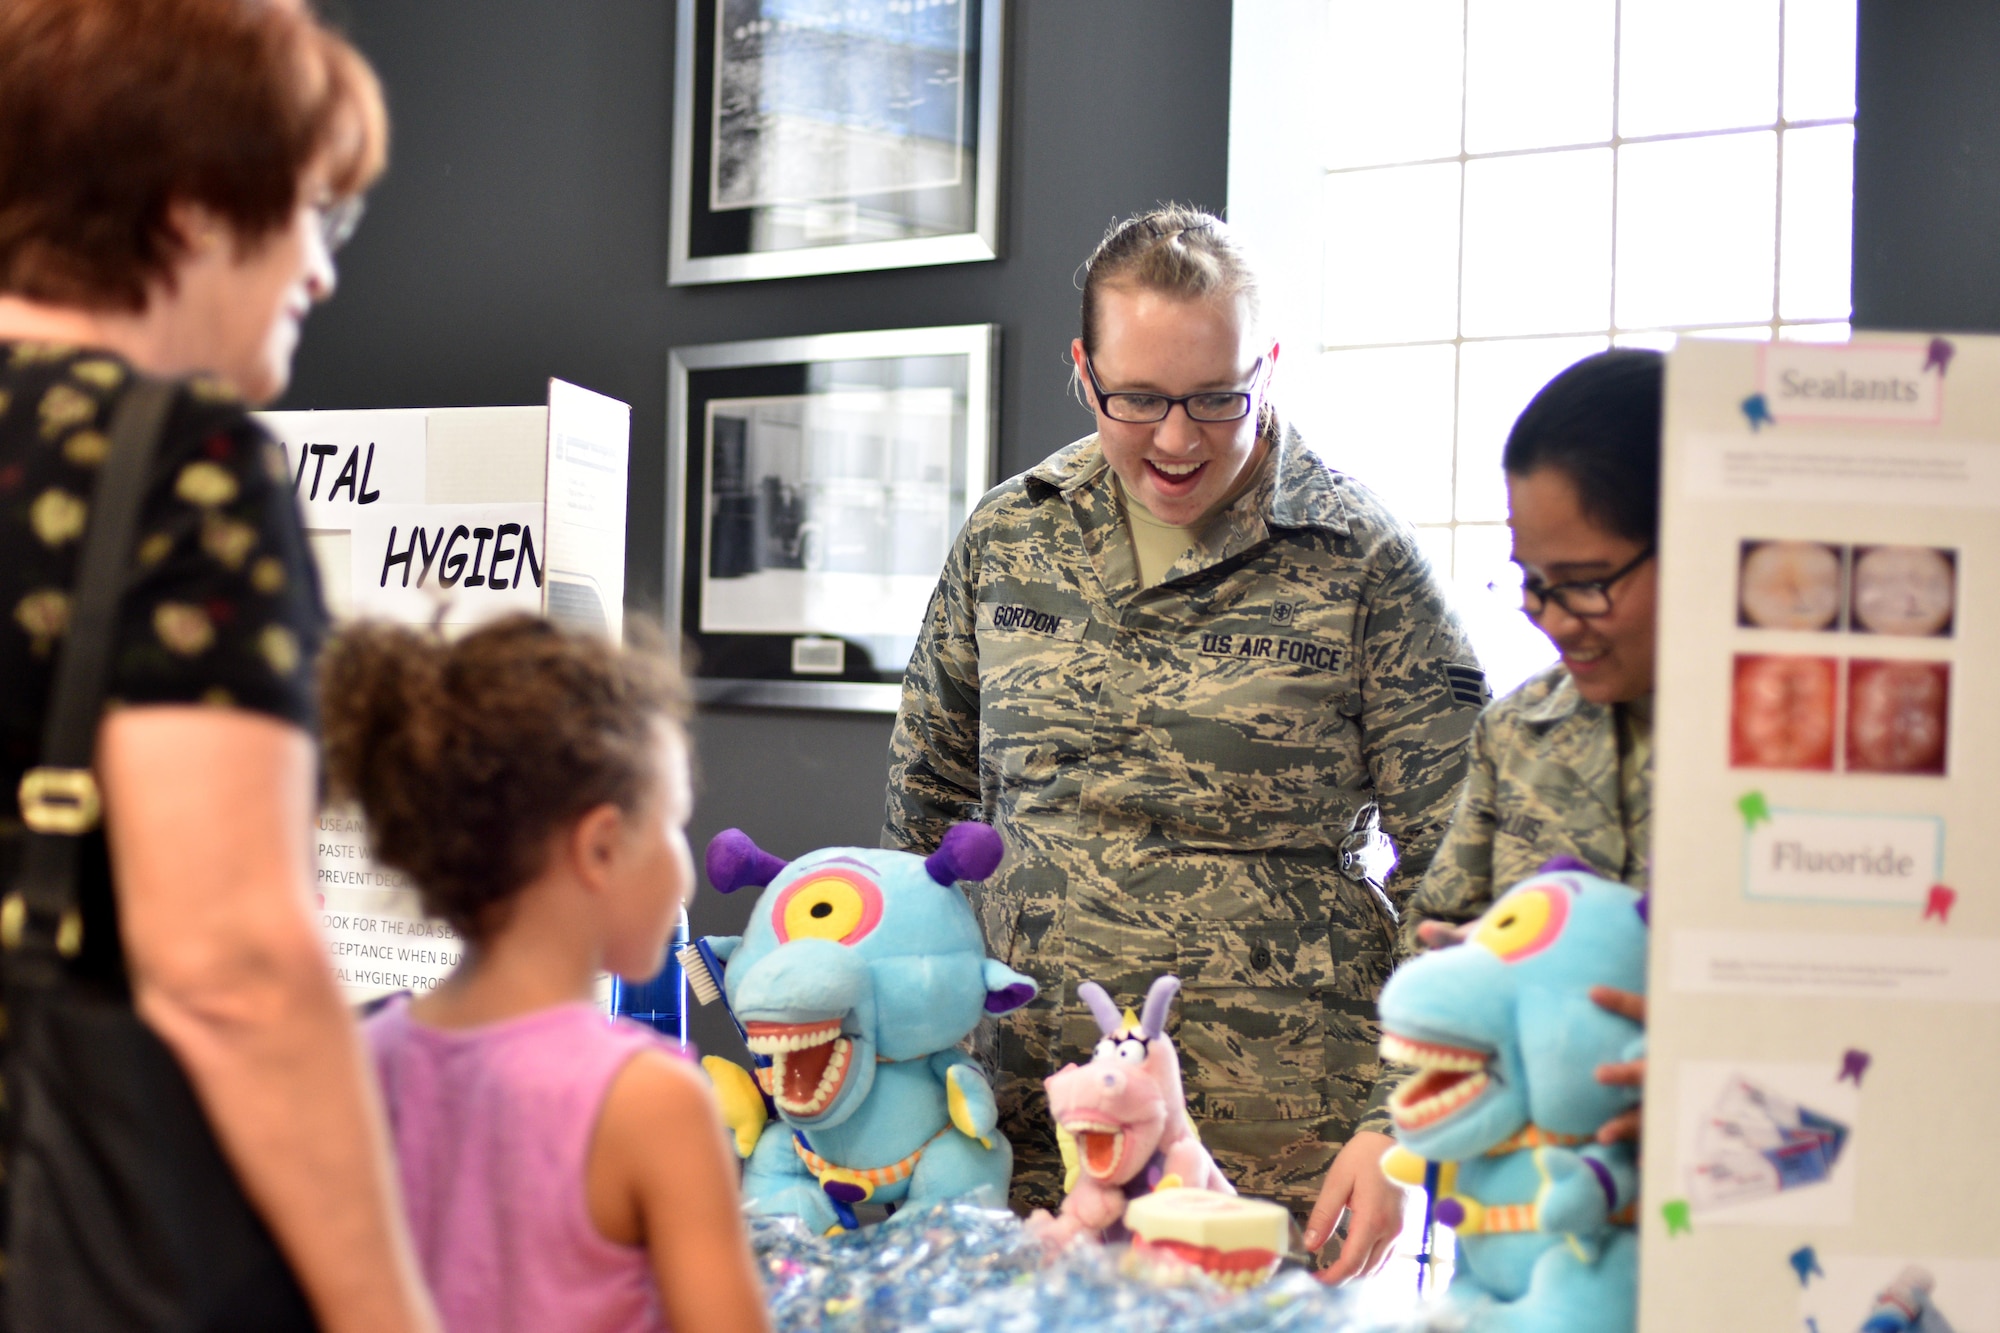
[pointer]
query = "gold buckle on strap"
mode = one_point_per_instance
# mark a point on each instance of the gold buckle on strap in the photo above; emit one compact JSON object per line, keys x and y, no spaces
{"x":60,"y":800}
{"x":14,"y":924}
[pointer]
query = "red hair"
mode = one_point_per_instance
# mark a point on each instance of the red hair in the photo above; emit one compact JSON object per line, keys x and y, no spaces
{"x":112,"y":111}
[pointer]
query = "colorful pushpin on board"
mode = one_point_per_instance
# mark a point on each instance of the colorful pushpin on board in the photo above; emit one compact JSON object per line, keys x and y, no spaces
{"x":1757,"y":412}
{"x":1853,"y":1065}
{"x":1939,"y":355}
{"x":1754,"y":809}
{"x":1805,"y":1262}
{"x":1942,"y":899}
{"x":1675,"y":1211}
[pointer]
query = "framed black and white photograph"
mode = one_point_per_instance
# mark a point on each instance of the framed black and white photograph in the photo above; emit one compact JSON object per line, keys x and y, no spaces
{"x":834,"y":136}
{"x":814,"y":487}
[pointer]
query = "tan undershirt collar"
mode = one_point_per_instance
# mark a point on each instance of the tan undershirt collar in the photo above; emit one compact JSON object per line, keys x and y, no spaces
{"x":1158,"y":544}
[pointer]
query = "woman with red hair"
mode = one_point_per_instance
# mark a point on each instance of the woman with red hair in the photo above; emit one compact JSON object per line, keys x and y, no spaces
{"x":174,"y":178}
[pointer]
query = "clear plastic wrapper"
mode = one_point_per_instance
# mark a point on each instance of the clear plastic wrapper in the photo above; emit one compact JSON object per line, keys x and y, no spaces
{"x":959,"y":1266}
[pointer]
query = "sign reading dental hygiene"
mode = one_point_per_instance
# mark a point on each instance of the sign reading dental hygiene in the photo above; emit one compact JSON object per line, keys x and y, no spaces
{"x":467,"y":563}
{"x":448,"y":517}
{"x":343,"y":463}
{"x":1824,"y":1011}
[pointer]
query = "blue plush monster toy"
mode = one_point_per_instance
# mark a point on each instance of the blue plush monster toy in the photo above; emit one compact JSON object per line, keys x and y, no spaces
{"x":859,"y":974}
{"x":1506,"y":1042}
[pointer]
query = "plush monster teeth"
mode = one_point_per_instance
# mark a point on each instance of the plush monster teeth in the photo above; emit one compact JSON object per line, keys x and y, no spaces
{"x":1412,"y":1111}
{"x":765,"y":1042}
{"x":1431,"y":1055}
{"x":833,"y":1074}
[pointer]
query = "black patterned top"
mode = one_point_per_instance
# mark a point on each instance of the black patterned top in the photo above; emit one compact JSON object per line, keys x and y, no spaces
{"x":224,"y":607}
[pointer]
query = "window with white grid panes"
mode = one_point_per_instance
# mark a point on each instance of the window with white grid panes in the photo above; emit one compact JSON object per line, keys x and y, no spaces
{"x":1505,"y":186}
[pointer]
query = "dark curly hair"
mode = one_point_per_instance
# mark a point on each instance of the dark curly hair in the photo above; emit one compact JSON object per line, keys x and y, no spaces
{"x":466,"y":756}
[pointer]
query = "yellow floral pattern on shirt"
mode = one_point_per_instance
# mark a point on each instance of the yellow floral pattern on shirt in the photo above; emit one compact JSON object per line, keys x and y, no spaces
{"x":229,"y":540}
{"x":268,"y":575}
{"x":221,"y":606}
{"x":44,"y":614}
{"x":206,"y":484}
{"x":65,"y":408}
{"x":86,"y":448}
{"x":57,"y":517}
{"x":99,"y":374}
{"x":185,"y":629}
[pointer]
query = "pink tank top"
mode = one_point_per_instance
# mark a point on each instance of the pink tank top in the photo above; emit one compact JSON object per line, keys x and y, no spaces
{"x":492,"y":1127}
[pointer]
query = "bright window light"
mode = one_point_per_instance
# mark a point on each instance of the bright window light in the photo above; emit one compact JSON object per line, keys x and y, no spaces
{"x":1454,"y":199}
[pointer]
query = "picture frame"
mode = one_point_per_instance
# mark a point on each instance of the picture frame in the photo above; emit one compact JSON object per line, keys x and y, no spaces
{"x":814,"y":488}
{"x":822,"y":136}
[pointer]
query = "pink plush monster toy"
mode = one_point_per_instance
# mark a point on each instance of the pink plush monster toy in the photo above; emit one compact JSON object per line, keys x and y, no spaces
{"x":1124,"y":1118}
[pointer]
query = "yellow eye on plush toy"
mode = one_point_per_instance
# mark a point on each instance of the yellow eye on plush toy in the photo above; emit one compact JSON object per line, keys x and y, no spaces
{"x":836,"y":904}
{"x":1523,"y":923}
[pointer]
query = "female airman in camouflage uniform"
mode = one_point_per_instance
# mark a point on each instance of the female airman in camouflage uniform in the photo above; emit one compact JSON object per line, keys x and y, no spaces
{"x":1563,"y":766}
{"x":1170,"y":664}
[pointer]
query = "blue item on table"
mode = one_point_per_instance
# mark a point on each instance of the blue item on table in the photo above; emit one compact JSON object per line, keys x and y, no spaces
{"x":660,"y":1003}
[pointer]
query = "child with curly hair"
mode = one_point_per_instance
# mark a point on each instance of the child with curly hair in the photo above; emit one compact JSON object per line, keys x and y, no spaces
{"x":561,"y":1170}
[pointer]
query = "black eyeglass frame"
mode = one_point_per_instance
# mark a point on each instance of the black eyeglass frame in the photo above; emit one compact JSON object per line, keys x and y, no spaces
{"x":1535,"y":598}
{"x":1249,"y":397}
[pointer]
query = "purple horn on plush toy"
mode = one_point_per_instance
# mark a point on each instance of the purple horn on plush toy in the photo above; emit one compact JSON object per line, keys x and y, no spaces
{"x":1153,"y":1018}
{"x":1109,"y":1020}
{"x":1557,"y":864}
{"x":969,"y":851}
{"x":734,"y":862}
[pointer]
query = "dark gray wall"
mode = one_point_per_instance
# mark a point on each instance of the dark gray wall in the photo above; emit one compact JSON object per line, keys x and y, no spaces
{"x":521,"y":233}
{"x":1927,"y":166}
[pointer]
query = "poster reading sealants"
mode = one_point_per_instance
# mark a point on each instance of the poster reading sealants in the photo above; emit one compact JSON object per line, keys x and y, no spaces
{"x":1824,"y":1026}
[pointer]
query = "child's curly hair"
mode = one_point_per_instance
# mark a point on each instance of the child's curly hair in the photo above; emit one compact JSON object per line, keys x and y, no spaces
{"x":466,"y":756}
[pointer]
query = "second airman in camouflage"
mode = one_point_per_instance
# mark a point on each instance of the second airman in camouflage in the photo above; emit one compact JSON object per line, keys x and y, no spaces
{"x":1563,"y":766}
{"x":1552,"y":774}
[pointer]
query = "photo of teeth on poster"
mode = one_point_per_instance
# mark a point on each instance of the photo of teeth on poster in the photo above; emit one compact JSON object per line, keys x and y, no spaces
{"x":1824,"y":1012}
{"x":448,"y":517}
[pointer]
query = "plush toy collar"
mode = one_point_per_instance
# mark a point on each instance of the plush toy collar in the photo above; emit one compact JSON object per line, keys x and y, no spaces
{"x":1534,"y":1136}
{"x":852,"y":1185}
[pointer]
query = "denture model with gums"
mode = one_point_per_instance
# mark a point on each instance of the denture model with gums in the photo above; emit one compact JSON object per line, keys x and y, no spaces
{"x":1236,"y":1242}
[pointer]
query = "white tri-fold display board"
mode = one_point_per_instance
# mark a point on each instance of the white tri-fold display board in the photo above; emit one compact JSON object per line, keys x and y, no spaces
{"x":1824,"y":1030}
{"x":449,"y":516}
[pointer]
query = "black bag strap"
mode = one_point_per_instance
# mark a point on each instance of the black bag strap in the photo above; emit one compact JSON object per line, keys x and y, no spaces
{"x":40,"y":922}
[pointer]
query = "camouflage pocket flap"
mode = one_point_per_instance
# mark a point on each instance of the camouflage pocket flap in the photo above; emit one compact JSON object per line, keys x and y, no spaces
{"x":1259,"y":955}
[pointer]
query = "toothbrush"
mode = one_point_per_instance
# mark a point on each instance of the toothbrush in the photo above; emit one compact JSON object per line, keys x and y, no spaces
{"x":704,"y":978}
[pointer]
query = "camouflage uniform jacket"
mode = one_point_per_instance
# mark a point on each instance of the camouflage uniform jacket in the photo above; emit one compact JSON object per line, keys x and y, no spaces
{"x":1544,"y":782}
{"x":1173,"y":769}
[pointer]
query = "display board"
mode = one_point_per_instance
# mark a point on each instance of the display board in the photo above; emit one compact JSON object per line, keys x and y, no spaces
{"x":449,"y":516}
{"x":1824,"y":1026}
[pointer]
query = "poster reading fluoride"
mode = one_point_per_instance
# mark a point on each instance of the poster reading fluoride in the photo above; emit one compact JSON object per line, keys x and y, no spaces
{"x":1824,"y":1014}
{"x":442,"y":519}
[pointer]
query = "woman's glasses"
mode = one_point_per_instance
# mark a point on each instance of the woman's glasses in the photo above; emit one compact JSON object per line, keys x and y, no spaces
{"x":1143,"y":409}
{"x":337,"y":220}
{"x":1586,"y":599}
